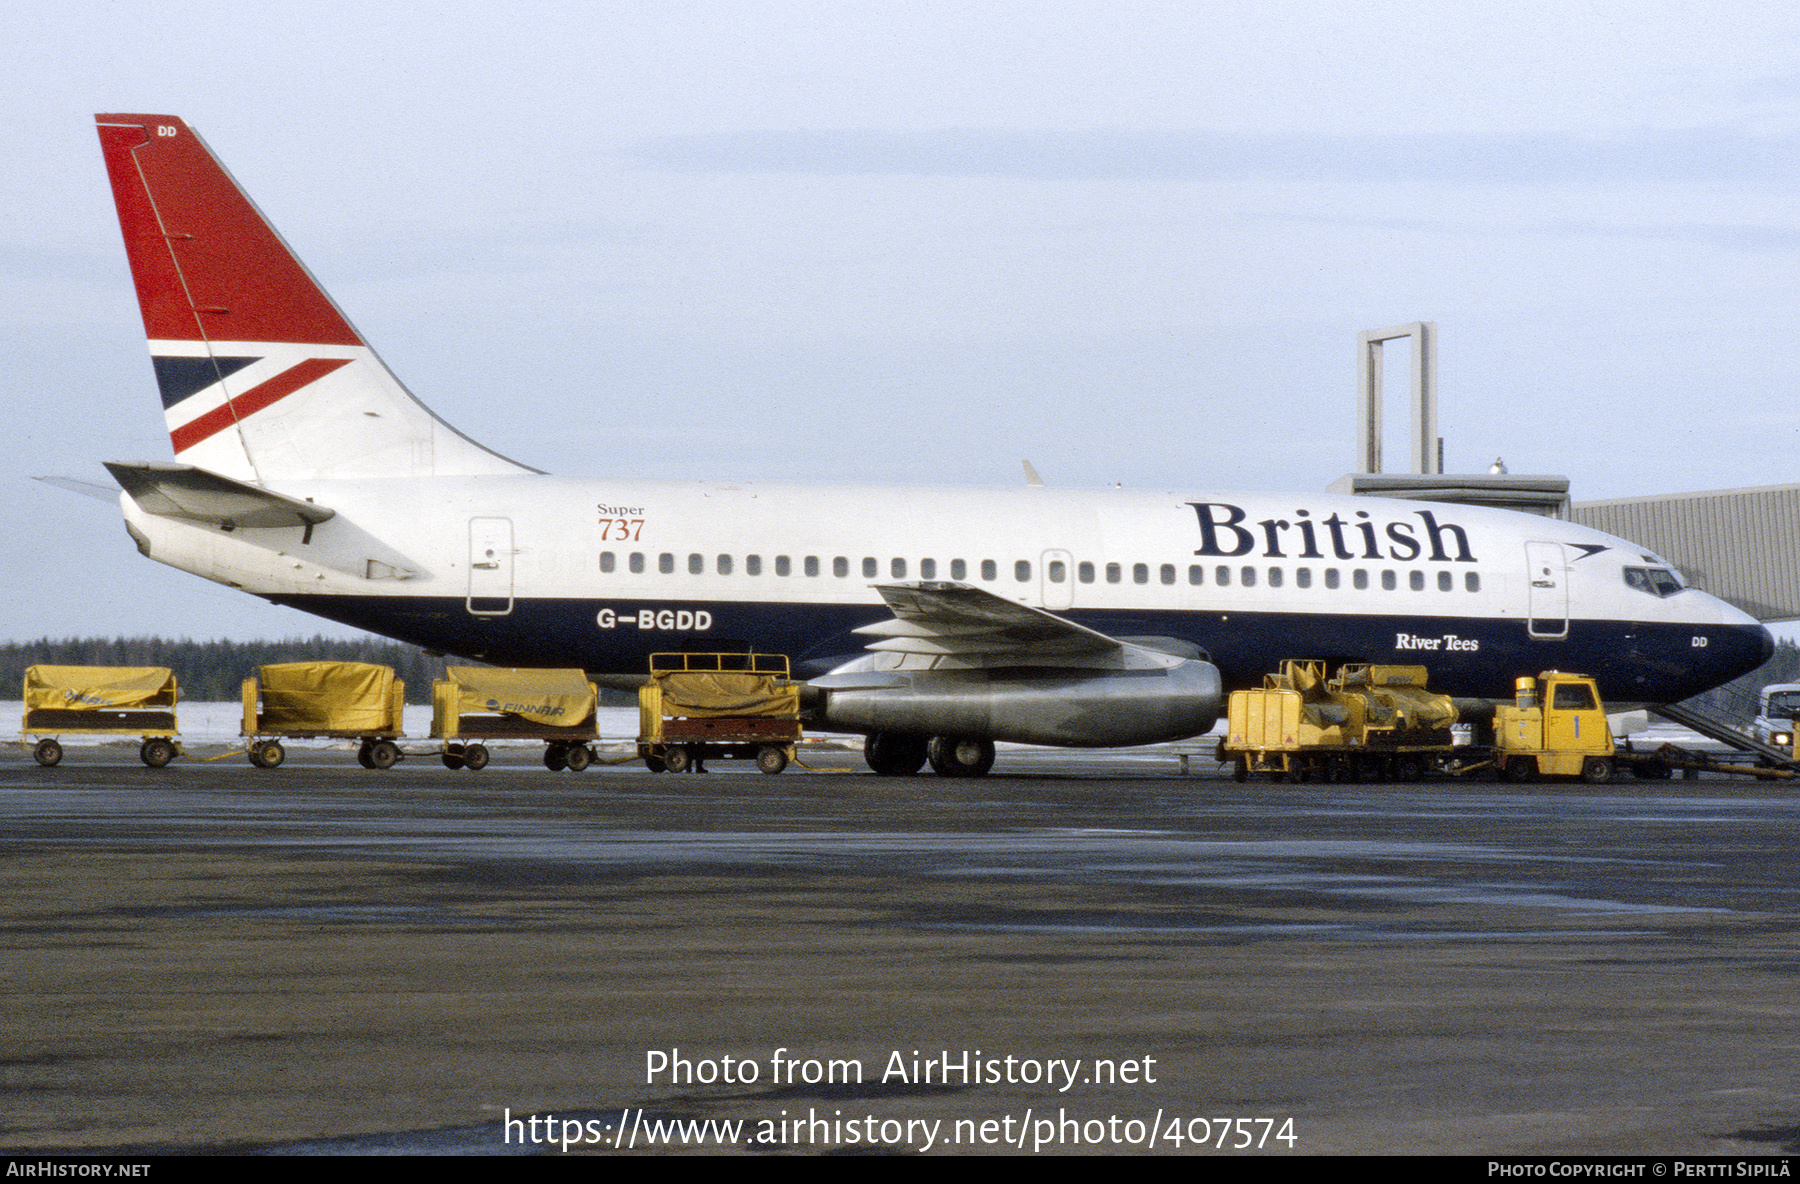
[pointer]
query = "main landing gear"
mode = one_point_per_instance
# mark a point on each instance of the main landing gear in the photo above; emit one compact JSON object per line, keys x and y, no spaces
{"x":901,"y":754}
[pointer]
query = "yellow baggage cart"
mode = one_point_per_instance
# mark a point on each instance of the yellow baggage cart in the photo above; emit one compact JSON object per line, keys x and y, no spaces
{"x":335,"y":700}
{"x":476,"y":703}
{"x":101,"y":701}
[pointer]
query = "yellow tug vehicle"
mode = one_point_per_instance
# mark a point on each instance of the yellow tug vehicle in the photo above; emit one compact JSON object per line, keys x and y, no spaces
{"x":1556,"y":728}
{"x":1380,"y":723}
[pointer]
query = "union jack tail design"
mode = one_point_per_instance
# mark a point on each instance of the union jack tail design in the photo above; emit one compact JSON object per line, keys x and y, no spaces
{"x":262,"y":377}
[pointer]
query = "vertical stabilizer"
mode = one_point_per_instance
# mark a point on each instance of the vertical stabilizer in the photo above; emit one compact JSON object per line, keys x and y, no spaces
{"x":262,"y":378}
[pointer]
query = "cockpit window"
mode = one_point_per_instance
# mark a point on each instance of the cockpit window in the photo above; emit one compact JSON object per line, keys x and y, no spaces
{"x":1655,"y":581}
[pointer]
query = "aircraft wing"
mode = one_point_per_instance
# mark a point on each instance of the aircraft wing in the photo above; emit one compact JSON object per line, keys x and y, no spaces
{"x":946,"y":626}
{"x":196,"y":495}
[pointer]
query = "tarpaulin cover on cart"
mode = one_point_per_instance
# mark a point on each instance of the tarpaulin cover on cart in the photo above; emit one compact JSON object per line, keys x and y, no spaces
{"x":707,"y":694}
{"x":328,"y":697}
{"x":560,"y":698}
{"x":98,"y":688}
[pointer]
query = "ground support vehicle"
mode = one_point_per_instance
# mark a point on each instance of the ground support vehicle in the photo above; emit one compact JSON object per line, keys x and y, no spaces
{"x":1556,"y":727}
{"x":1379,"y":722}
{"x":333,"y":700}
{"x":1367,"y":723}
{"x":101,"y":701}
{"x":701,"y":706}
{"x":472,"y":704}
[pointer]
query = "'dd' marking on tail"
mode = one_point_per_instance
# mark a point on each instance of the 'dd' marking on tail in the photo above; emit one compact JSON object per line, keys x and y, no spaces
{"x":261,"y":376}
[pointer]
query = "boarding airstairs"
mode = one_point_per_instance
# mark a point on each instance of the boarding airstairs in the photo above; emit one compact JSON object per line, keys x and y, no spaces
{"x":1769,"y":761}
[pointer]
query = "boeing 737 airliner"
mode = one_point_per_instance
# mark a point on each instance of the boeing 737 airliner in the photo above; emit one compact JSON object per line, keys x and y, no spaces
{"x":934,"y":621}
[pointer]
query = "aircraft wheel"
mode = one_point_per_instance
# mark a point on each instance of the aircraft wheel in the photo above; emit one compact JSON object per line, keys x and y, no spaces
{"x":1596,"y":770}
{"x":895,"y":754}
{"x":960,"y":756}
{"x":579,"y":757}
{"x":771,"y":759}
{"x":384,"y":754}
{"x":556,"y":757}
{"x":677,"y":759}
{"x":475,"y":756}
{"x":48,"y":753}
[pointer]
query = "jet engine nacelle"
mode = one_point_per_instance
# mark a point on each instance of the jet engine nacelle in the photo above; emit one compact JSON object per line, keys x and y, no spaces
{"x":1061,"y":707}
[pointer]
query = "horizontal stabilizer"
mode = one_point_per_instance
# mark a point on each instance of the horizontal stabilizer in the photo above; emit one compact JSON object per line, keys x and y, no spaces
{"x":93,"y":489}
{"x":195,"y":495}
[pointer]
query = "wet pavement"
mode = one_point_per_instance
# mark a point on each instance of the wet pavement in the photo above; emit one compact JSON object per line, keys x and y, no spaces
{"x":1083,"y":952}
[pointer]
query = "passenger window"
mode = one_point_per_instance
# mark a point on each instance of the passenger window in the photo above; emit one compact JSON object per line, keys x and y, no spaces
{"x":665,"y":563}
{"x":1196,"y":574}
{"x":928,"y":569}
{"x":607,"y":561}
{"x":1303,"y":577}
{"x":1022,"y":571}
{"x":990,"y":570}
{"x":724,"y":565}
{"x":1416,"y":581}
{"x":1249,"y":577}
{"x":959,"y":570}
{"x":871,"y":567}
{"x":810,"y":565}
{"x":783,"y":566}
{"x":1388,"y":581}
{"x":1059,"y":571}
{"x":1085,"y":572}
{"x":1360,"y":579}
{"x":1140,"y":573}
{"x":1222,"y":576}
{"x":753,"y":565}
{"x":1112,"y":573}
{"x":1167,"y":574}
{"x":840,"y":567}
{"x":1331,"y":577}
{"x":1274,"y":577}
{"x":637,"y":563}
{"x":1445,"y":583}
{"x":1472,"y":581}
{"x":898,"y":567}
{"x":696,"y":564}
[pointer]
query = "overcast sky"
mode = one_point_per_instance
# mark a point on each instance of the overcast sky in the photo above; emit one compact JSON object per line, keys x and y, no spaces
{"x":917,"y":242}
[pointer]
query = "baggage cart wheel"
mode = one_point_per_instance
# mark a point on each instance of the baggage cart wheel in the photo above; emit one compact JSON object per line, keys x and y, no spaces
{"x":579,"y":757}
{"x":771,"y":759}
{"x":677,"y":759}
{"x":156,"y":752}
{"x":267,"y":754}
{"x":48,"y":753}
{"x":655,"y":763}
{"x":1240,"y":771}
{"x":365,"y":754}
{"x":384,"y":754}
{"x":1596,"y":770}
{"x":475,"y":756}
{"x":556,"y":757}
{"x":453,"y":757}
